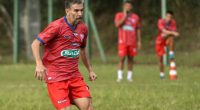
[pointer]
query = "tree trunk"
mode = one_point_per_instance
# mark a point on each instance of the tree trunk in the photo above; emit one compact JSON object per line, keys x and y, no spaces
{"x":30,"y":24}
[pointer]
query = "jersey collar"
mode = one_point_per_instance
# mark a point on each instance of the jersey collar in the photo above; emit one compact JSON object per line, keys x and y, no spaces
{"x":72,"y":27}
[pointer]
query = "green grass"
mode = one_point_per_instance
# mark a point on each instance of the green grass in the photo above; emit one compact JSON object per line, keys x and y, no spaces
{"x":20,"y":91}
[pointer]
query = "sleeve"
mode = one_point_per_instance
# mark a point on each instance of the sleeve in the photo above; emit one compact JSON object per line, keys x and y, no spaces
{"x":48,"y":33}
{"x":84,"y":38}
{"x":160,"y":25}
{"x":117,"y":18}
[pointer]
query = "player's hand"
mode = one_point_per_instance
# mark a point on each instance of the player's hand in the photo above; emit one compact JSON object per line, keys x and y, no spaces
{"x":125,"y":13}
{"x":92,"y":76}
{"x":176,"y":34}
{"x":139,"y":45}
{"x":40,"y":72}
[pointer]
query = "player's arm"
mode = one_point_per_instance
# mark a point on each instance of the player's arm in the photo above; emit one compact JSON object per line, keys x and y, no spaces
{"x":120,"y":22}
{"x":87,"y":64}
{"x":139,"y":44}
{"x":40,"y":69}
{"x":138,"y":34}
{"x":170,"y":33}
{"x":165,"y":32}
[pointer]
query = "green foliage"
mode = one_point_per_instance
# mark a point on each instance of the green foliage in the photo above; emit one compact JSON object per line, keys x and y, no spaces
{"x":186,"y":12}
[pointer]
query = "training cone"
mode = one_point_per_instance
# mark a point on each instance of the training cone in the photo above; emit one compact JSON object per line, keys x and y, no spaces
{"x":173,"y":72}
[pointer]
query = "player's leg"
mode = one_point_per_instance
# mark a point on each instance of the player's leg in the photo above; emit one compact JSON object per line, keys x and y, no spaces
{"x":120,"y":68}
{"x":160,"y":51}
{"x":170,"y":43}
{"x":79,"y":94}
{"x":83,"y":103}
{"x":58,"y":92}
{"x":172,"y":72}
{"x":122,"y":52}
{"x":161,"y":66}
{"x":66,"y":108}
{"x":130,"y":68}
{"x":132,"y":51}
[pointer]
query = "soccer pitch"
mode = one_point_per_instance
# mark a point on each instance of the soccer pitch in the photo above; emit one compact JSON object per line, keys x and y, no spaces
{"x":19,"y":90}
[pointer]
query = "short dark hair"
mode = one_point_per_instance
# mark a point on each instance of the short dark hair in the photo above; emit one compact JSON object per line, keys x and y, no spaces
{"x":68,"y":3}
{"x":170,"y":12}
{"x":128,"y":1}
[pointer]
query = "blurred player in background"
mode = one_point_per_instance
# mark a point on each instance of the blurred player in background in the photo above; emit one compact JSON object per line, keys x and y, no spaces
{"x":167,"y":31}
{"x":129,"y":38}
{"x":63,"y":40}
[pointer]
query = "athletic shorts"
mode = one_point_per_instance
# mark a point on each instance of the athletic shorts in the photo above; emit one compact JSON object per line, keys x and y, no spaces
{"x":64,"y":92}
{"x":125,"y":50}
{"x":160,"y":47}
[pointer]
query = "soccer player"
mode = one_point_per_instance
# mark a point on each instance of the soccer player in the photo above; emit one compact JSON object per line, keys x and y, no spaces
{"x":166,"y":33}
{"x":129,"y":38}
{"x":63,"y":40}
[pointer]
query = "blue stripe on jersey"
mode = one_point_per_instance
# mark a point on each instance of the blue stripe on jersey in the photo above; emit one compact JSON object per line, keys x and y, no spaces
{"x":41,"y":41}
{"x":72,"y":27}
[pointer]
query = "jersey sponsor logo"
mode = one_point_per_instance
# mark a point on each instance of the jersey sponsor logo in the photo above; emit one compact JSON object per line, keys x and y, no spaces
{"x":74,"y":53}
{"x":128,"y":28}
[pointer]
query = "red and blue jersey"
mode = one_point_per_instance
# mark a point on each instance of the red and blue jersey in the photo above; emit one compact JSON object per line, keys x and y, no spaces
{"x":162,"y":24}
{"x":127,"y":32}
{"x":62,"y":43}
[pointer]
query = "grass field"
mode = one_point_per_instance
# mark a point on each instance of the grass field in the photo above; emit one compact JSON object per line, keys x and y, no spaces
{"x":20,"y":91}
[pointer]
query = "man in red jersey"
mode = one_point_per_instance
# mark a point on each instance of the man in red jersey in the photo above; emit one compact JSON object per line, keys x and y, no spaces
{"x":129,"y":38}
{"x":63,"y":40}
{"x":166,"y":33}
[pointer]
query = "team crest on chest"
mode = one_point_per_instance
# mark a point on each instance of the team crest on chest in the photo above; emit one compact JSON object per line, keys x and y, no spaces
{"x":133,"y":20}
{"x":82,"y":37}
{"x":75,"y":34}
{"x":79,"y":35}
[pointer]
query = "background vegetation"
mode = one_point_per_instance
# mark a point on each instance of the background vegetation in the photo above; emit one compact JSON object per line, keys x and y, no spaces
{"x":186,"y":13}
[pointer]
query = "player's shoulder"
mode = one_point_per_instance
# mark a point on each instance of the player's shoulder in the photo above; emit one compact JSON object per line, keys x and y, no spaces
{"x":161,"y":20}
{"x":173,"y":21}
{"x":81,"y":24}
{"x":57,"y":22}
{"x":119,"y":14}
{"x":135,"y":16}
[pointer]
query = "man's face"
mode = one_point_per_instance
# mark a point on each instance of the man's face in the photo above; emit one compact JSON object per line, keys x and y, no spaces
{"x":75,"y":12}
{"x":168,"y":17}
{"x":128,"y":7}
